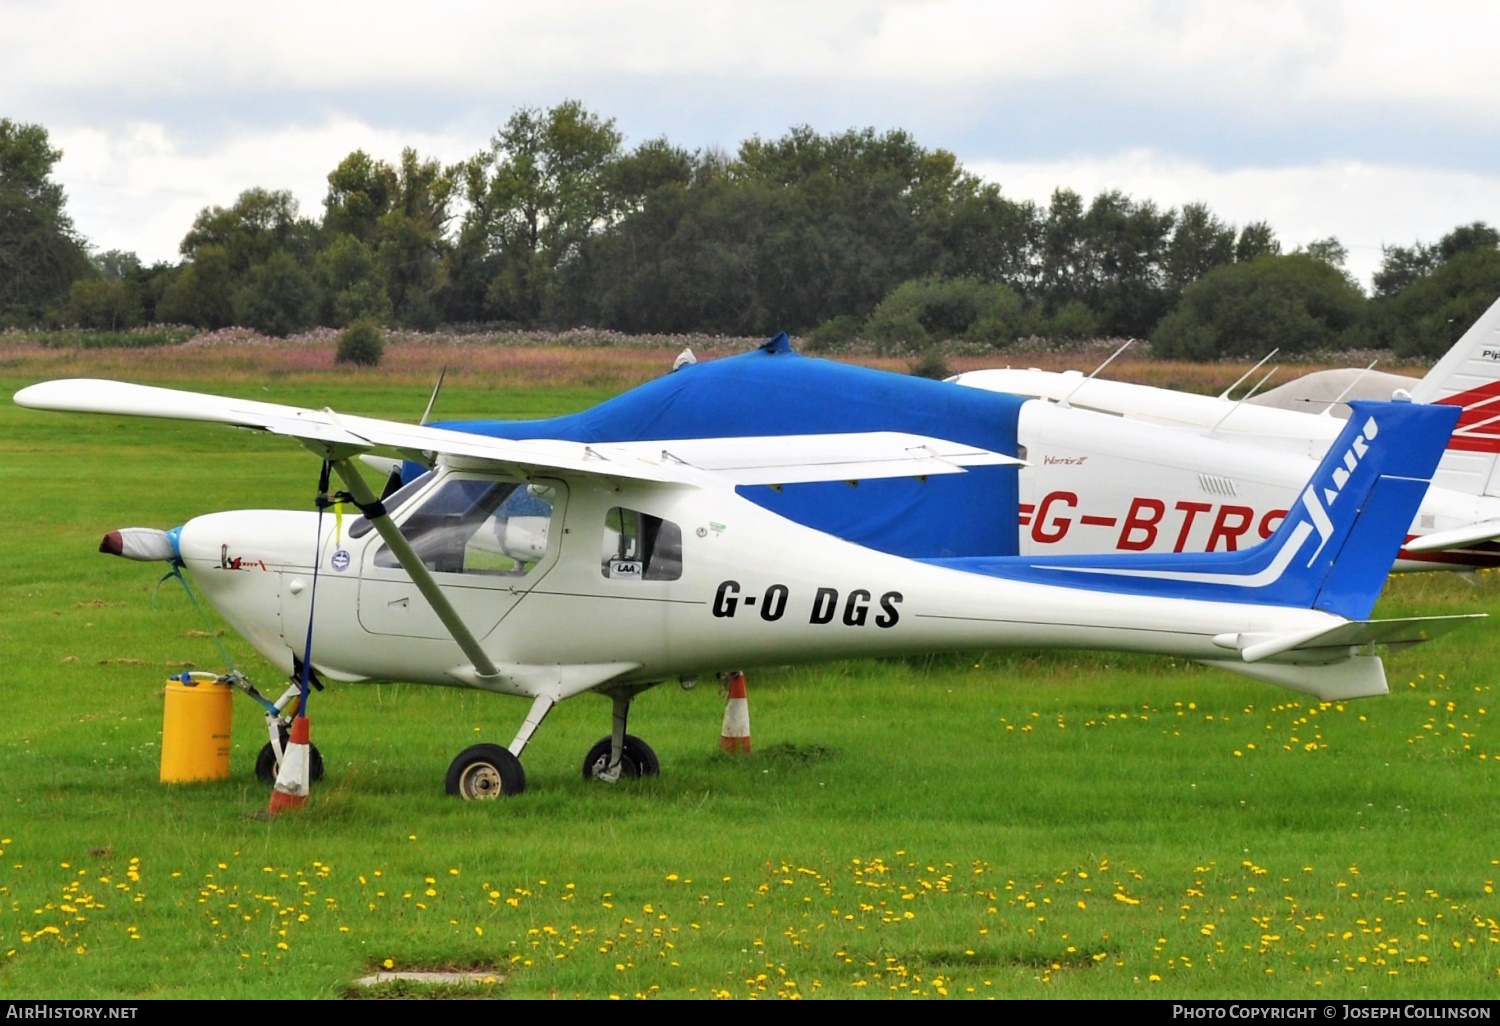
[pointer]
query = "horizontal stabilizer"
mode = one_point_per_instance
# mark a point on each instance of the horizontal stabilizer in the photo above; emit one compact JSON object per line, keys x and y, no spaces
{"x":1458,"y":538}
{"x":1360,"y":677}
{"x":1333,"y":644}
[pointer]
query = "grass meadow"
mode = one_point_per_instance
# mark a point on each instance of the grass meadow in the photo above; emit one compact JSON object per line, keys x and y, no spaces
{"x":1019,"y":824}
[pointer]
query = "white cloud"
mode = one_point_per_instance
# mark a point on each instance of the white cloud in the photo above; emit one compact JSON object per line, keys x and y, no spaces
{"x":1365,"y":205}
{"x":138,"y":188}
{"x":1340,"y":50}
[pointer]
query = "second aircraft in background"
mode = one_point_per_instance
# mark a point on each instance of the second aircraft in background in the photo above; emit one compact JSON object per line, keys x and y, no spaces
{"x":1185,"y":472}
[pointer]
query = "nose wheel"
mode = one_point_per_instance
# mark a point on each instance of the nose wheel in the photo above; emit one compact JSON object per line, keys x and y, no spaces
{"x":268,"y":761}
{"x":267,"y":766}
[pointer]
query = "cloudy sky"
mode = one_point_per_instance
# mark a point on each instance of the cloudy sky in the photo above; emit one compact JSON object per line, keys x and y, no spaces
{"x":1373,"y":121}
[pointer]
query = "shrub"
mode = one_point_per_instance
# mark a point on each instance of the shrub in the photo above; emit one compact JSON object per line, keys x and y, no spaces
{"x":937,"y":309}
{"x":361,"y":343}
{"x":931,"y":364}
{"x":837,"y":331}
{"x":1296,"y":303}
{"x":1071,"y":322}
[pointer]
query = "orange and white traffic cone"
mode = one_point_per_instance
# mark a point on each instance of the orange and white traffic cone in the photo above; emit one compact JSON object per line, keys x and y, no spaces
{"x":735,"y":736}
{"x":294,"y":779}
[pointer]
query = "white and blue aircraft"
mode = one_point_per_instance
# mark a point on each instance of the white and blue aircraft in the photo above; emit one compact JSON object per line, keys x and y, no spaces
{"x":549,"y":568}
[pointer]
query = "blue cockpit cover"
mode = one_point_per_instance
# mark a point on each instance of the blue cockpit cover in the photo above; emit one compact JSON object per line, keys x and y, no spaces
{"x":774,"y":391}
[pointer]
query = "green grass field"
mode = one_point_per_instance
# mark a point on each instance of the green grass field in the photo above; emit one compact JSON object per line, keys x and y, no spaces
{"x":1012,"y":824}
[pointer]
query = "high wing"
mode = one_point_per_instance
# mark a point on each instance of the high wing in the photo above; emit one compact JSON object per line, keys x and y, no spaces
{"x":337,"y":439}
{"x":795,"y":459}
{"x":737,"y":461}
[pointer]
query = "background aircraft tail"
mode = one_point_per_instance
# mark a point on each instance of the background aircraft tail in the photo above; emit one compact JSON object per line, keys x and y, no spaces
{"x":1468,"y":377}
{"x":1332,"y":551}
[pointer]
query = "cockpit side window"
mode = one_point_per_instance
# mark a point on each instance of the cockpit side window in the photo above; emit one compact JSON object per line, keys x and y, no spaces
{"x":478,"y":526}
{"x":640,"y":547}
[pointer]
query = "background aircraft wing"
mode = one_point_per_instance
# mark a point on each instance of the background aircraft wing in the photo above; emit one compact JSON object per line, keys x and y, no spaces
{"x":1457,"y":538}
{"x":731,"y":461}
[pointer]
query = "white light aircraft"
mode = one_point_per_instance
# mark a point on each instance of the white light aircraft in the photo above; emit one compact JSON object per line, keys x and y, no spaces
{"x":547,"y":569}
{"x":1225,"y":472}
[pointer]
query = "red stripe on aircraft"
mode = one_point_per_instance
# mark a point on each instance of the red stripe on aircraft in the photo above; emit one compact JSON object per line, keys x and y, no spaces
{"x":1478,"y":427}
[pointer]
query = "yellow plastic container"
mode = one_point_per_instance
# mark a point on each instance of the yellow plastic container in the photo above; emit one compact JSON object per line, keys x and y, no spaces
{"x":195,"y":730}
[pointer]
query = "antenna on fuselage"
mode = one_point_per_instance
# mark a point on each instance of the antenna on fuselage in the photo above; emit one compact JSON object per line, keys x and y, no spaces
{"x":432,"y":400}
{"x":1328,"y":410}
{"x":1240,"y":380}
{"x":1242,"y":399}
{"x":1063,"y":402}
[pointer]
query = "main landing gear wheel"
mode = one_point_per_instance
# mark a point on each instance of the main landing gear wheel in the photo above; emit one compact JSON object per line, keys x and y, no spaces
{"x":267,"y":765}
{"x":486,"y":771}
{"x":636,"y":759}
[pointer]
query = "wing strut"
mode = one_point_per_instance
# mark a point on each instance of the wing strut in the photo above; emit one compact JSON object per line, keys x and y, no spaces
{"x":371,"y":507}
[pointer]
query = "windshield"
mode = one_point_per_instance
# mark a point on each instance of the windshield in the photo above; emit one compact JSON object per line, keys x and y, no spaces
{"x":478,"y":526}
{"x":361,"y":525}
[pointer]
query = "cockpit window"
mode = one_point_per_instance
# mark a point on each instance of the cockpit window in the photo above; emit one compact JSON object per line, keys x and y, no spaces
{"x":478,"y":526}
{"x":641,"y":547}
{"x":361,"y":526}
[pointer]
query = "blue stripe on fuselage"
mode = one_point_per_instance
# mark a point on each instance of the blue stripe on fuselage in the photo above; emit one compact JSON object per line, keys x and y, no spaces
{"x":1332,"y":551}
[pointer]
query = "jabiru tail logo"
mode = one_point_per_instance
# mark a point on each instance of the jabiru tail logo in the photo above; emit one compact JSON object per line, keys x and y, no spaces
{"x":1341,"y":474}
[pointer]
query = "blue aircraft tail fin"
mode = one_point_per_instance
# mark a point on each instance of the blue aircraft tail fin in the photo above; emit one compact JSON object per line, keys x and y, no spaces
{"x":1332,"y":551}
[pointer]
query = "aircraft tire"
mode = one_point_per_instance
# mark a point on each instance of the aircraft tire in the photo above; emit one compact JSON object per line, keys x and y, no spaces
{"x":267,"y":766}
{"x":485,"y":771}
{"x":636,"y":760}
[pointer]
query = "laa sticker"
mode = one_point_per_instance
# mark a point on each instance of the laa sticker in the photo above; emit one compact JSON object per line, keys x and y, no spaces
{"x":340,"y":560}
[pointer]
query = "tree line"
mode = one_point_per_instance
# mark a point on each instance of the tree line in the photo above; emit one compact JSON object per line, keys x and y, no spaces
{"x":859,"y":234}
